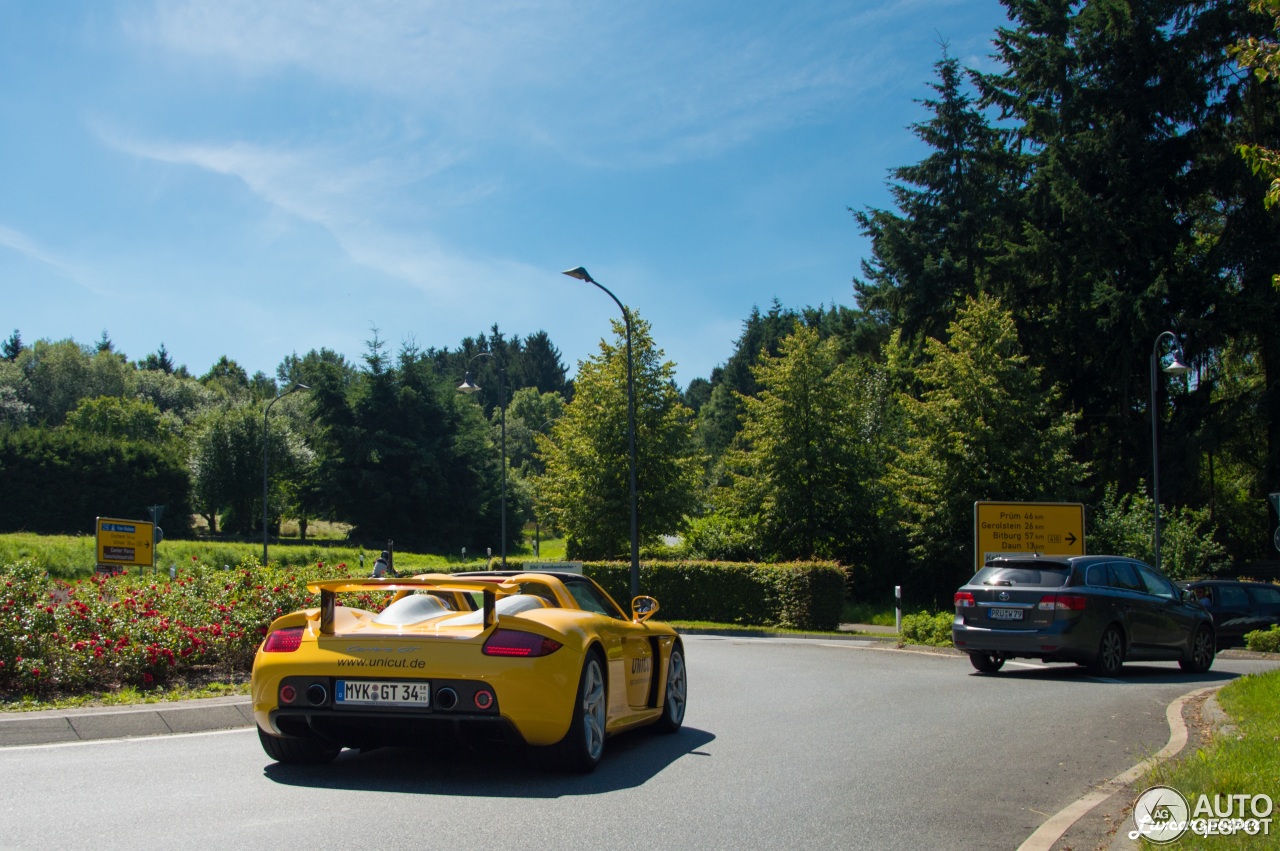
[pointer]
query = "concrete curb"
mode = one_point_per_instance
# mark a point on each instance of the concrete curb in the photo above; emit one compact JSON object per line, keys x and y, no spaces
{"x":1212,"y":713}
{"x":118,"y":722}
{"x":843,"y":635}
{"x":1052,"y":830}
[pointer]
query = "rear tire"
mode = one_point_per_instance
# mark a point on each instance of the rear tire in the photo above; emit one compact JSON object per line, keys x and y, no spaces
{"x":1200,"y":657}
{"x":297,"y":751}
{"x":583,"y":745}
{"x":987,"y":663}
{"x":1110,"y":656}
{"x":677,"y":692}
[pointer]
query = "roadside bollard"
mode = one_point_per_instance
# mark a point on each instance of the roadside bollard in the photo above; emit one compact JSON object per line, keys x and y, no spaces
{"x":897,"y":607}
{"x":173,"y":571}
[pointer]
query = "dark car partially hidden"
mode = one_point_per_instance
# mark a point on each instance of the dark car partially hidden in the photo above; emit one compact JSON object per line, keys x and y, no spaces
{"x":1099,"y":611}
{"x":1237,"y":607}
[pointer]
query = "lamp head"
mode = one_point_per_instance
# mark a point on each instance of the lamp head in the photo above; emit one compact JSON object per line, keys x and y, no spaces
{"x":580,"y":273}
{"x":468,"y":386}
{"x":1177,"y":367}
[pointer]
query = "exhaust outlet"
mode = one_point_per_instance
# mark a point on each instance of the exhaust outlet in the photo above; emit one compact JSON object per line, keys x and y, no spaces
{"x":446,"y":698}
{"x":317,"y":694}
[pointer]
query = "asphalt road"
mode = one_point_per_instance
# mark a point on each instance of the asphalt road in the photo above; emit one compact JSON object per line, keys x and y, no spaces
{"x":787,"y":744}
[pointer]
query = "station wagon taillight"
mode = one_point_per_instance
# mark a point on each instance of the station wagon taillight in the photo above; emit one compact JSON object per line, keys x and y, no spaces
{"x":284,"y":640}
{"x":513,"y":642}
{"x":1063,"y":602}
{"x":964,"y":600}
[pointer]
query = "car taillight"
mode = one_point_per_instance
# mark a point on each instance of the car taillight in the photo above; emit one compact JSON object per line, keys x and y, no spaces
{"x":964,"y":600}
{"x":1065,"y":602}
{"x":511,"y":642}
{"x":284,"y":640}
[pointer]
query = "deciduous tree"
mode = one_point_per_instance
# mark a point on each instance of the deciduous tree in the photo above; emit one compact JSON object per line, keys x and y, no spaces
{"x":585,"y":487}
{"x":983,"y":427}
{"x":800,"y":468}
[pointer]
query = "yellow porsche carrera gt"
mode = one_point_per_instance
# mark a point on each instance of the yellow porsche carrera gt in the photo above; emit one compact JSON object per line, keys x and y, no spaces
{"x":546,"y":659}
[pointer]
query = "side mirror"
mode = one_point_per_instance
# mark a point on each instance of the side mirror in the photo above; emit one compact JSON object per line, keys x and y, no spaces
{"x":643,"y":608}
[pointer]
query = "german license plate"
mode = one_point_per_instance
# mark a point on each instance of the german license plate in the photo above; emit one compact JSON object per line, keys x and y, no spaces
{"x":375,"y":693}
{"x":1004,"y":614}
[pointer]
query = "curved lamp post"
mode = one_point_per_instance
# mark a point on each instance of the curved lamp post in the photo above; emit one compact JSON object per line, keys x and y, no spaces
{"x":1177,"y":367}
{"x":468,"y":386}
{"x":582,"y":275}
{"x":294,"y":389}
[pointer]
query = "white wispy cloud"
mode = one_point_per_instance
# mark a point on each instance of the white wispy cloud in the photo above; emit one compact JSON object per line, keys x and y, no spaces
{"x":445,"y":92}
{"x":344,"y":197}
{"x":24,"y":245}
{"x":601,"y":82}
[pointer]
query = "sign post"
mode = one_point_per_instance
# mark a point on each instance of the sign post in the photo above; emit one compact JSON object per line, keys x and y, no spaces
{"x":1010,"y":528}
{"x":125,"y":543}
{"x":1274,"y":498}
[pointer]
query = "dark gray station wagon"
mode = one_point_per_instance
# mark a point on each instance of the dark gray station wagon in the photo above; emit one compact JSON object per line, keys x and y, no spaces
{"x":1099,"y":611}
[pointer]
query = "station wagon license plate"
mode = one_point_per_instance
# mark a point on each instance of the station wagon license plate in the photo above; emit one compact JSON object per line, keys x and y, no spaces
{"x":1004,"y":614}
{"x":375,"y":693}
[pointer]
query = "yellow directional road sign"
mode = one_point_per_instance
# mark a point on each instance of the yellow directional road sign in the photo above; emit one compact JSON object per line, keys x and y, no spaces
{"x":1008,"y":528}
{"x":126,"y":542}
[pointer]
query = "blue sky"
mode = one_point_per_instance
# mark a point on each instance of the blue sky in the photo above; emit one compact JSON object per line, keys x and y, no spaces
{"x":256,"y":178}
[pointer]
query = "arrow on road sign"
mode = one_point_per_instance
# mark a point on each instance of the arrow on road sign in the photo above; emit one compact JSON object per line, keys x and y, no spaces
{"x":1071,"y":538}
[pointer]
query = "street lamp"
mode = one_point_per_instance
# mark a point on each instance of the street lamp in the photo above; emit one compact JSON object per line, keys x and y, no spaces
{"x":582,"y":275}
{"x":468,"y":386}
{"x":1177,"y":367}
{"x":294,"y":389}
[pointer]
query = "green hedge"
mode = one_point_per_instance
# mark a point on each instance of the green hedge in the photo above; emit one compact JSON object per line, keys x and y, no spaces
{"x":797,"y":595}
{"x":933,"y":630}
{"x":1263,"y":640}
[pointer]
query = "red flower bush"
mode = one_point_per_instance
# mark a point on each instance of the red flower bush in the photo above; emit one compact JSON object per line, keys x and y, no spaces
{"x":101,"y":633}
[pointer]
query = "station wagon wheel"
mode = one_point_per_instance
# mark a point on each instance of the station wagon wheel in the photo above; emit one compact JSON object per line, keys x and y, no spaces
{"x":987,"y":663}
{"x":296,"y":751}
{"x":677,"y":692}
{"x":583,"y":745}
{"x":1203,"y":646}
{"x":1110,"y":653}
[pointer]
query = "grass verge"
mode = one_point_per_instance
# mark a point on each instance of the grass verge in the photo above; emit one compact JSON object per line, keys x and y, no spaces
{"x":129,"y":696}
{"x":1245,"y":761}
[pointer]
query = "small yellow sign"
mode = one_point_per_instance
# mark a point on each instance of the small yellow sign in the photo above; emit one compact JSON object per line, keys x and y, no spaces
{"x":1010,"y":528}
{"x":126,"y":542}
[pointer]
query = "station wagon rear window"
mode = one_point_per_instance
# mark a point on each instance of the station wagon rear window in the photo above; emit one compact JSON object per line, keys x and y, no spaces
{"x":1035,"y":575}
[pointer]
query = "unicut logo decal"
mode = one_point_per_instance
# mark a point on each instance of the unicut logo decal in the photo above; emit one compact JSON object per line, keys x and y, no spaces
{"x":641,"y":666}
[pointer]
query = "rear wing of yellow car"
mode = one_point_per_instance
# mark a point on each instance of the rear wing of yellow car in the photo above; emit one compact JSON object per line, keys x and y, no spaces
{"x":329,"y":589}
